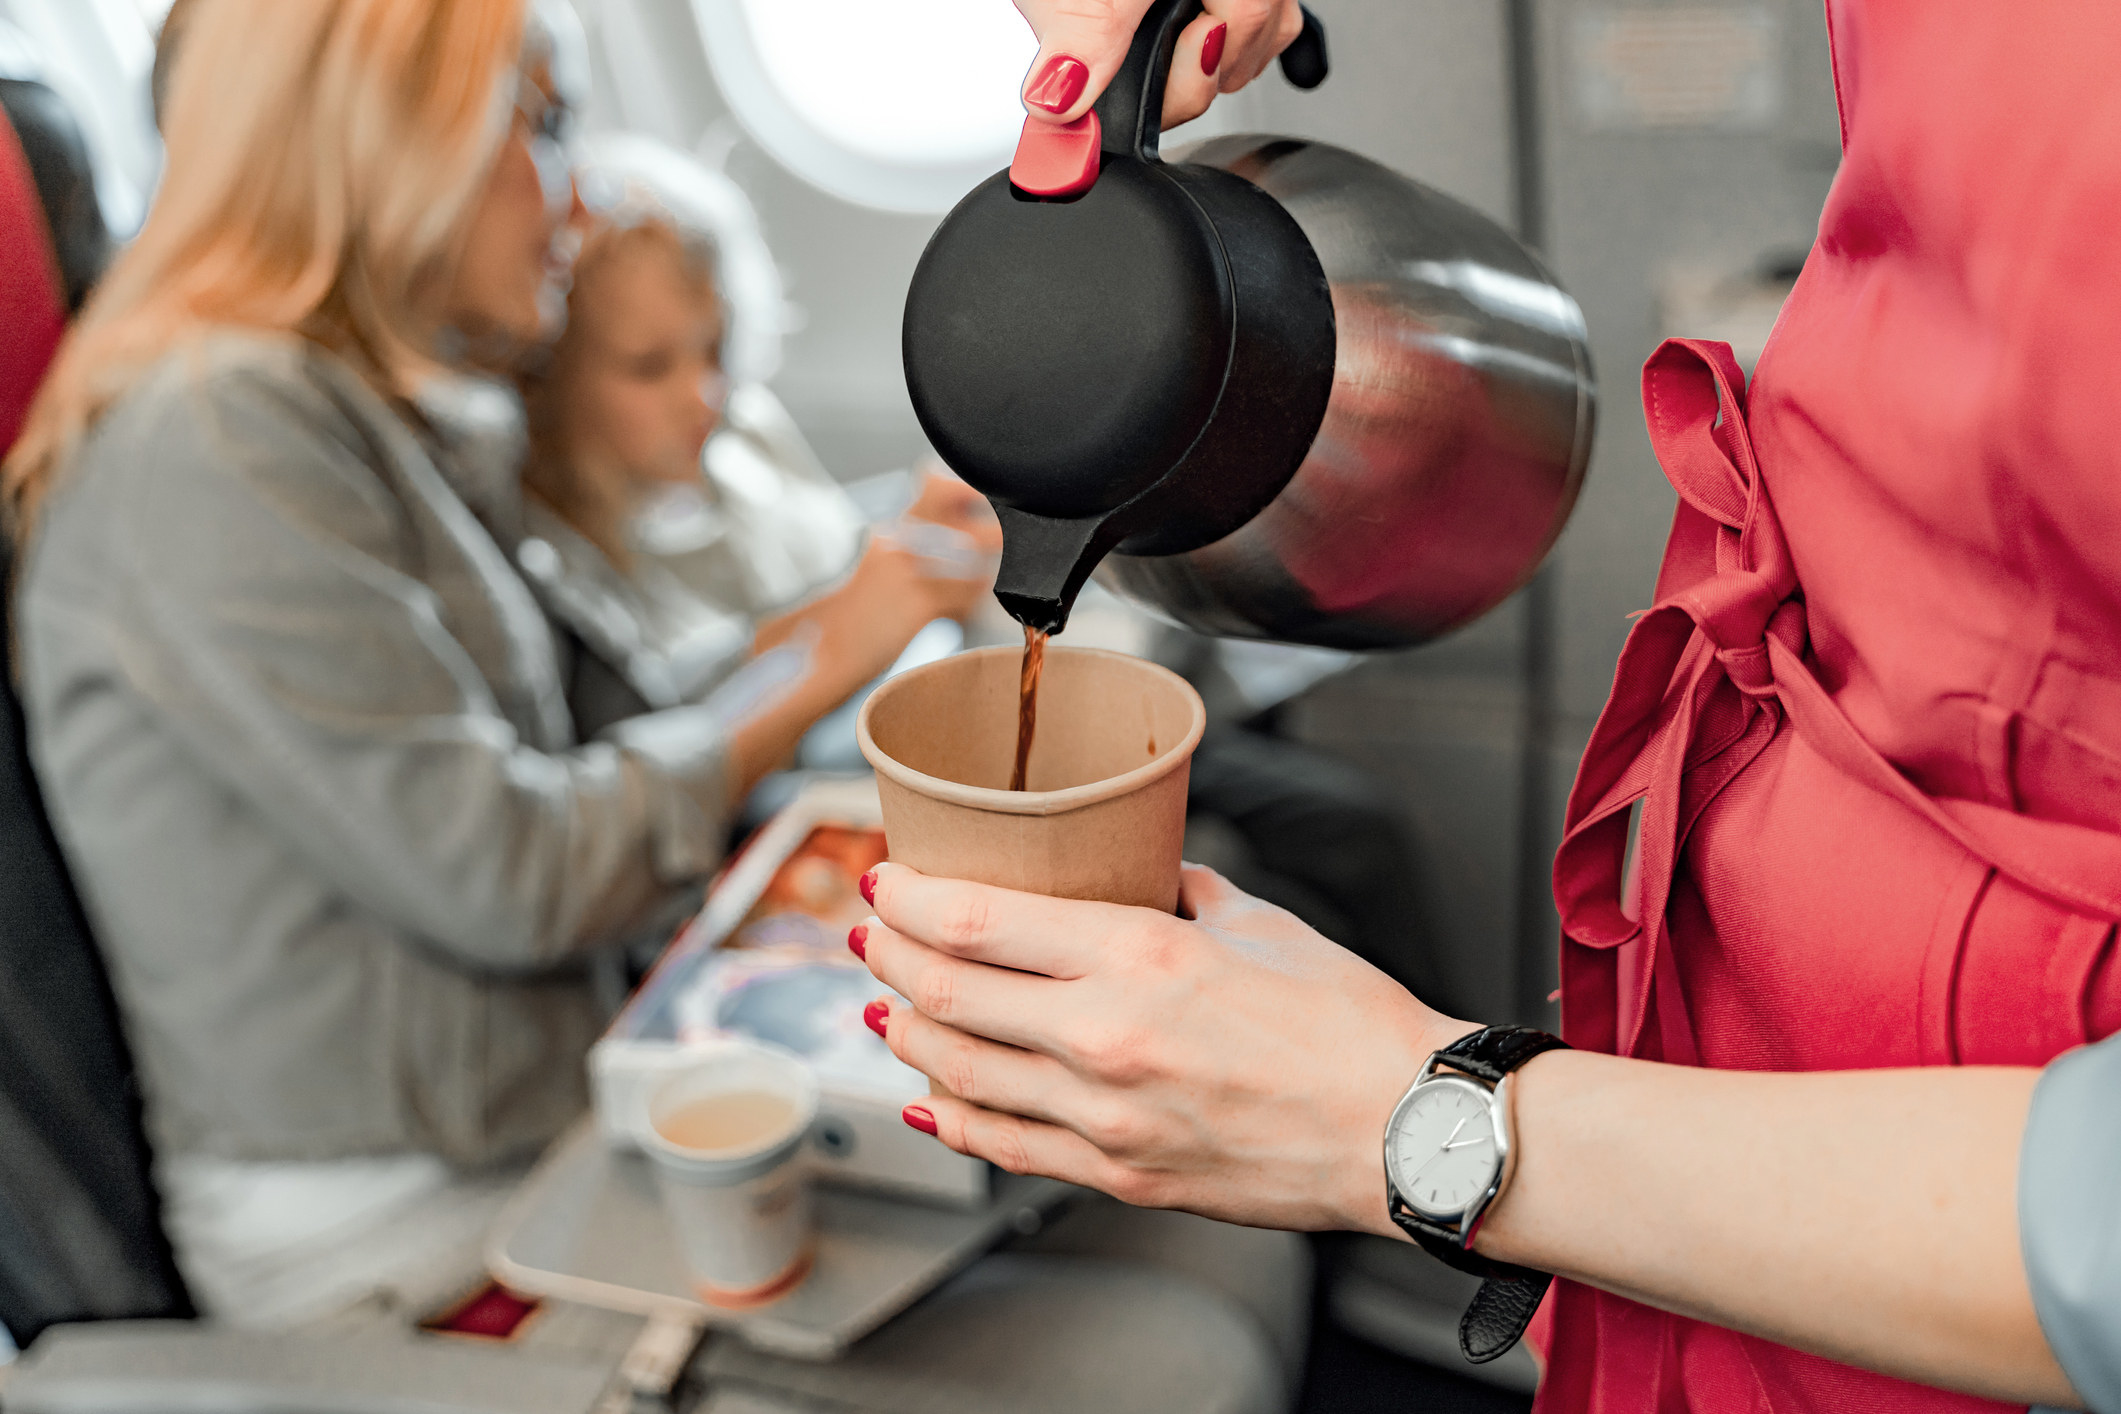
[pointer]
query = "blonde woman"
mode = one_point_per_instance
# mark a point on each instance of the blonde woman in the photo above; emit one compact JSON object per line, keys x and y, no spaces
{"x":299,"y":723}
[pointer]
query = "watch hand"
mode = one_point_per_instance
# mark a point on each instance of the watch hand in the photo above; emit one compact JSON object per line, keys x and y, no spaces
{"x":1439,"y":1153}
{"x":1467,"y":1143}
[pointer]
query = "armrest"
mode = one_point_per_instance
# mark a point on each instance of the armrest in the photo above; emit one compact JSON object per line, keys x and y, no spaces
{"x":179,"y":1367}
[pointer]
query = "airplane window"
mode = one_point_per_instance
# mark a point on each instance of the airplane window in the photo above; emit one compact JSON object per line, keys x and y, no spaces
{"x":904,"y":106}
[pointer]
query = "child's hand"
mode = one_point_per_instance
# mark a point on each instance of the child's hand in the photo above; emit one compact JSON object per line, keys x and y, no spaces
{"x":889,"y":590}
{"x":946,"y":500}
{"x":955,"y":583}
{"x":957,"y":598}
{"x":895,"y":590}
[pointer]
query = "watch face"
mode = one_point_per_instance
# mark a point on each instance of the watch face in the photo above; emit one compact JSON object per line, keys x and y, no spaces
{"x":1442,"y":1155}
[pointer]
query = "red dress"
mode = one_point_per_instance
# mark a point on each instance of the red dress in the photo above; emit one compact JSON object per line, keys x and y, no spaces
{"x":1874,"y":722}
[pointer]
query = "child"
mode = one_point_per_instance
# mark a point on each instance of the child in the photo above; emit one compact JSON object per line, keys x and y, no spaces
{"x":620,"y":414}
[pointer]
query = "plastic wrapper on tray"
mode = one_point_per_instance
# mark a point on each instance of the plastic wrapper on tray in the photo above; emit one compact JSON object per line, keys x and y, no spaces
{"x":767,"y":958}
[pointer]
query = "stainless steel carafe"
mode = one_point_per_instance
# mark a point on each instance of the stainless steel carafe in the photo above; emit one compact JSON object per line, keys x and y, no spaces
{"x":1277,"y":390}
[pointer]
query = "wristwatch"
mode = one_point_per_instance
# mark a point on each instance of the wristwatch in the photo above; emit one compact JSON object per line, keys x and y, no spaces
{"x":1447,"y":1152}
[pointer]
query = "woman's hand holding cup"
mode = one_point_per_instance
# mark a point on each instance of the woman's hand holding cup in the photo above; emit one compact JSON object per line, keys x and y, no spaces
{"x":1235,"y":1064}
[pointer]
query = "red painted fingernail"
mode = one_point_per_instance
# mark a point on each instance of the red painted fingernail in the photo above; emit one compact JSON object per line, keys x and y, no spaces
{"x":868,"y":888}
{"x":1211,"y":49}
{"x":858,"y":941}
{"x":919,"y":1118}
{"x":875,"y":1015}
{"x":1057,"y":85}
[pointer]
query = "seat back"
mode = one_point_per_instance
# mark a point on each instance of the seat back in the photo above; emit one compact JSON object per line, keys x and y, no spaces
{"x":80,"y":1227}
{"x":59,"y":164}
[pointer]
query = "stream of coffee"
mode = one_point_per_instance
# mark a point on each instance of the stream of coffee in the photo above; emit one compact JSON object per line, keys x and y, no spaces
{"x":1027,"y":702}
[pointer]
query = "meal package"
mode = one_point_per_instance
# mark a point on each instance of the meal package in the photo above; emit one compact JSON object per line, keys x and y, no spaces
{"x":766,"y":958}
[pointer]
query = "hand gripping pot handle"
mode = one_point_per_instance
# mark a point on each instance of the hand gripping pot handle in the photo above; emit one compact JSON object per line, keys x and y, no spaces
{"x":1130,"y":111}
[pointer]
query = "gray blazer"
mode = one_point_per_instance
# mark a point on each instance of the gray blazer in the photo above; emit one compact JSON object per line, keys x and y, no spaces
{"x":304,"y":741}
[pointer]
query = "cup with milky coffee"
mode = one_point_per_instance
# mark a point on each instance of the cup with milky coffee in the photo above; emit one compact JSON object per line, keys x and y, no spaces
{"x":1109,"y":743}
{"x":725,"y":1134}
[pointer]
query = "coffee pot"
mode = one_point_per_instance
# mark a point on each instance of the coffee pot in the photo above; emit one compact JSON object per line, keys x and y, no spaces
{"x":1273,"y":388}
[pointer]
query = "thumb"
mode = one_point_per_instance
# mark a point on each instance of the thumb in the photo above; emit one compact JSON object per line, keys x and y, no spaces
{"x":1081,"y":44}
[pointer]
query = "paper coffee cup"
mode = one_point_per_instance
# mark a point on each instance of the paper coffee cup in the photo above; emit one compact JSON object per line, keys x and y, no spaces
{"x":725,"y":1135}
{"x":1105,"y":817}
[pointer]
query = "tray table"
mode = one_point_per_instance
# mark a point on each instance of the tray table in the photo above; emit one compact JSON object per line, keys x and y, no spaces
{"x":587,"y":1225}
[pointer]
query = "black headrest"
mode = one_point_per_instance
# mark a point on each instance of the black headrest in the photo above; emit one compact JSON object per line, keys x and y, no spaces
{"x":66,"y":182}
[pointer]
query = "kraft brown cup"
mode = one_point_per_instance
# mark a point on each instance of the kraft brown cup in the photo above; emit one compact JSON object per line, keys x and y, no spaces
{"x":1105,"y":815}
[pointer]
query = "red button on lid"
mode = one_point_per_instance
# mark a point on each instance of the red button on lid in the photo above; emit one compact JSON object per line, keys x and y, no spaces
{"x":1057,"y":159}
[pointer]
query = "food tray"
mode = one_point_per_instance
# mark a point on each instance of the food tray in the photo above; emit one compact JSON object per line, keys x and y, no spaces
{"x":587,"y":1225}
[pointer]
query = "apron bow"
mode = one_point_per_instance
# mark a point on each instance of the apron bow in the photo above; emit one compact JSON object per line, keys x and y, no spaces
{"x":1694,"y":697}
{"x":1705,"y":680}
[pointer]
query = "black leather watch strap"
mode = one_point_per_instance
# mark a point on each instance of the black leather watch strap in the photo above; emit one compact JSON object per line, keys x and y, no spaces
{"x":1508,"y":1294}
{"x":1442,"y":1243}
{"x":1501,"y":1309}
{"x":1495,"y":1051}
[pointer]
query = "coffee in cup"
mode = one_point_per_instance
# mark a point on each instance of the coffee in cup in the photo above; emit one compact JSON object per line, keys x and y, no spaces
{"x":1101,"y":812}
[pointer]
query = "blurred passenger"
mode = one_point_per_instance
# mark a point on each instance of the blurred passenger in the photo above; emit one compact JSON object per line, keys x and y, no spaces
{"x":302,"y":728}
{"x":618,"y":416}
{"x":768,"y":526}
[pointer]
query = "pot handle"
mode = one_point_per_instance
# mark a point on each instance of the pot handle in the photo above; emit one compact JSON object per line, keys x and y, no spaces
{"x":1131,"y":109}
{"x":1303,"y":63}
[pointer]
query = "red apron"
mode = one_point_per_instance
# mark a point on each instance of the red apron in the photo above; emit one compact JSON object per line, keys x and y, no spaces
{"x":1873,"y":723}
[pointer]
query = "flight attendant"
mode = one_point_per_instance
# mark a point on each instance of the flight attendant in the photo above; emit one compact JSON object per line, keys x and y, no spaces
{"x":1835,"y":1128}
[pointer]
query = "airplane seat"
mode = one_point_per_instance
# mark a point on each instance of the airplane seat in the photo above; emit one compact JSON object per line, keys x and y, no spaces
{"x":65,"y":179}
{"x":80,"y":1228}
{"x":80,"y":1234}
{"x":30,"y":309}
